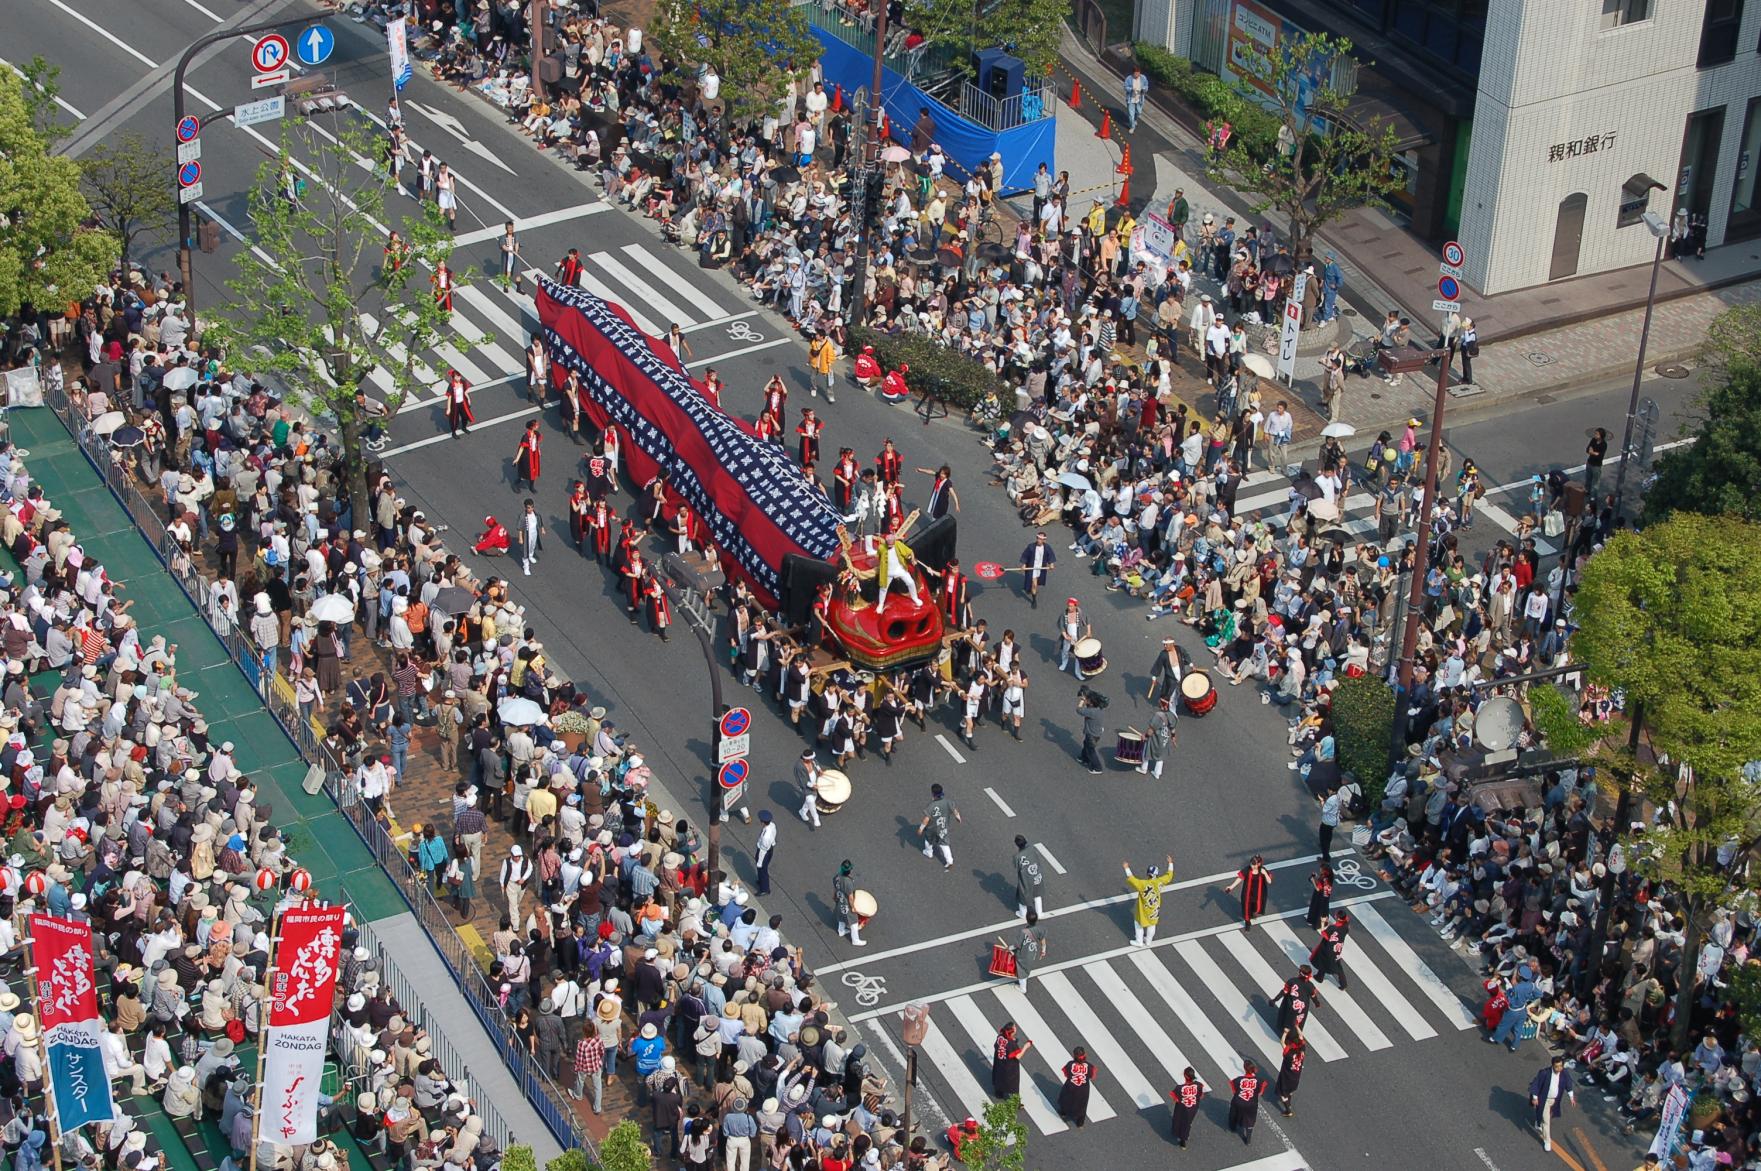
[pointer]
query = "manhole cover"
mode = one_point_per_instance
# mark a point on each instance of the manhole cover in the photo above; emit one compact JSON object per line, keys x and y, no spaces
{"x":1672,"y":370}
{"x":1540,"y":357}
{"x":1375,"y":394}
{"x":1349,"y":312}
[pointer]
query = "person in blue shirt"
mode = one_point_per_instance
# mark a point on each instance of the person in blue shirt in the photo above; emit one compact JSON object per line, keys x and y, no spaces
{"x":1332,"y":279}
{"x":647,"y":1048}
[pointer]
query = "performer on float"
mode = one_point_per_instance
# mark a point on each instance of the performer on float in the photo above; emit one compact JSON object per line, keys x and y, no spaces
{"x":893,"y":561}
{"x":527,"y":458}
{"x":443,"y":286}
{"x":495,"y":540}
{"x":459,"y":415}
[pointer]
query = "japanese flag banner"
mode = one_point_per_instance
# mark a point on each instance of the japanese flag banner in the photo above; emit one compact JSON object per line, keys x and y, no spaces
{"x":67,"y":1008}
{"x":302,"y":991}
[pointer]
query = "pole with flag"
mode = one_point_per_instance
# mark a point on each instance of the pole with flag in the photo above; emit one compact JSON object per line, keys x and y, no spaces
{"x":304,"y":957}
{"x":397,"y":45}
{"x":65,"y":990}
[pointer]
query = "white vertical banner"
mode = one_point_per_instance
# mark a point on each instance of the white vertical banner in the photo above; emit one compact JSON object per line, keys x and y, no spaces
{"x":1292,"y":329}
{"x":397,"y":43}
{"x":302,"y":992}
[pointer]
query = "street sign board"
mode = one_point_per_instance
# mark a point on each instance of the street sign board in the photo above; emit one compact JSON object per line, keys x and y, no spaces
{"x":262,"y":110}
{"x":1449,"y":288}
{"x":265,"y":80}
{"x":1446,"y":306}
{"x":188,"y":127}
{"x":731,"y":748}
{"x":1453,"y":270}
{"x":315,"y":45}
{"x":733,"y":774}
{"x":1453,"y":255}
{"x":269,"y":53}
{"x":1292,"y":331}
{"x":189,"y":174}
{"x":189,"y":194}
{"x":189,"y":152}
{"x":736,"y":721}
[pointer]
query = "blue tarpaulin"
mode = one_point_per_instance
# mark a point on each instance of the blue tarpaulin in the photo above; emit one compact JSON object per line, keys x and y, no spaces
{"x":970,"y":145}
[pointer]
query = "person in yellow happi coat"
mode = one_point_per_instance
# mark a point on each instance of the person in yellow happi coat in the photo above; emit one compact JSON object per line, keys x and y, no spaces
{"x":1149,"y":899}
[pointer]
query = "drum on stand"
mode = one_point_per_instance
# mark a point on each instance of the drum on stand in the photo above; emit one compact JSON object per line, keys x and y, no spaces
{"x":1129,"y":749}
{"x":1197,"y":692}
{"x":832,"y":791}
{"x":865,"y":907}
{"x":1089,"y":659}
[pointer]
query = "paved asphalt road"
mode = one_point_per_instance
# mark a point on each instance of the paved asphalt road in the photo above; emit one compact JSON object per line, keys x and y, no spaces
{"x":1402,"y":1040}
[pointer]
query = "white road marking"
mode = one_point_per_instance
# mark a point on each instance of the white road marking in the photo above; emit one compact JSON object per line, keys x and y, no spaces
{"x":972,"y":1097}
{"x":1001,"y":804}
{"x":770,"y":345}
{"x":1225,"y":1058}
{"x":1656,"y":449}
{"x":1051,"y":1050}
{"x":1235,"y":1005}
{"x":237,"y":235}
{"x":1056,"y":866}
{"x":1288,"y":1160}
{"x":443,"y":436}
{"x":526,"y":223}
{"x":605,"y":292}
{"x":1261,"y":976}
{"x":1335,"y":1002}
{"x":1142,"y":1022}
{"x":1072,"y":909}
{"x":715,"y":321}
{"x":1100,"y":1042}
{"x":1485,"y":1158}
{"x":213,"y":16}
{"x":58,"y":99}
{"x":672,"y":280}
{"x":415,"y":403}
{"x":482,"y":303}
{"x":1507,"y":522}
{"x":1033,"y":1099}
{"x":958,"y":759}
{"x":655,"y":299}
{"x":1407,"y":960}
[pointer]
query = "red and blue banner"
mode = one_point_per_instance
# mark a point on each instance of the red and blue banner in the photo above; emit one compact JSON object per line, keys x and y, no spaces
{"x":67,"y":1011}
{"x":302,"y":993}
{"x":757,"y":505}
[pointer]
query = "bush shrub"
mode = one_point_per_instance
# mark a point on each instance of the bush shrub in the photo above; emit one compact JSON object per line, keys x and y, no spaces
{"x":1211,"y":97}
{"x":1363,"y":724}
{"x":519,"y":1158}
{"x":572,"y":1160}
{"x":1556,"y":719}
{"x":624,"y":1150}
{"x":957,"y":379}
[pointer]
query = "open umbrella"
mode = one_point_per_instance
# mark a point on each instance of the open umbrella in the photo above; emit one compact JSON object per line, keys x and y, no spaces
{"x":179,"y":378}
{"x":1338,"y":430}
{"x":1281,"y":263}
{"x":453,"y":599}
{"x":519,"y":712}
{"x":128,"y":437}
{"x":1259,"y":365}
{"x":333,"y":608}
{"x":895,"y":154}
{"x":108,"y":422}
{"x":1074,"y":480}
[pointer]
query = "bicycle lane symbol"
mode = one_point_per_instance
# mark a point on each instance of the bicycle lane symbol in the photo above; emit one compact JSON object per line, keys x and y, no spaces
{"x":869,"y":989}
{"x":1347,"y":872}
{"x":740,"y":331}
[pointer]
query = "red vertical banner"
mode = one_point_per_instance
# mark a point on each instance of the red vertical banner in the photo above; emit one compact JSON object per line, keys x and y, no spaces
{"x":67,"y":1010}
{"x":302,"y":992}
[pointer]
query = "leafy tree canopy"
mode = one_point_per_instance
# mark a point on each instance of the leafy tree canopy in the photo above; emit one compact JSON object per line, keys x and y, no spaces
{"x":1720,"y":472}
{"x":756,"y":47}
{"x":49,"y":251}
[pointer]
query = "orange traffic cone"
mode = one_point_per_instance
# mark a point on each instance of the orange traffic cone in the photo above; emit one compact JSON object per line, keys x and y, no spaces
{"x":837,"y":98}
{"x":1075,"y":94}
{"x":1106,"y":130}
{"x":1125,"y":191}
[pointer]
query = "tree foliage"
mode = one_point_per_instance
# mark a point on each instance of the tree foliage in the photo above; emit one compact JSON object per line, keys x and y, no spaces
{"x":1363,"y":727}
{"x":125,"y":184}
{"x":315,"y":302}
{"x":624,"y":1150}
{"x":1671,"y":619}
{"x":49,"y":252}
{"x":1720,"y":472}
{"x":1324,"y":170}
{"x":756,"y":47}
{"x":1001,"y":1142}
{"x":1030,"y":29}
{"x":42,"y":85}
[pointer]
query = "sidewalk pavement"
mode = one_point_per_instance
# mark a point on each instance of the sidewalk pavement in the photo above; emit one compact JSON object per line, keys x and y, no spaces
{"x":1602,"y":345}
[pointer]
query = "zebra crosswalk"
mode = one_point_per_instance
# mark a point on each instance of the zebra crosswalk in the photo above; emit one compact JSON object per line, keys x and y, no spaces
{"x":489,"y":327}
{"x":1201,"y":1000}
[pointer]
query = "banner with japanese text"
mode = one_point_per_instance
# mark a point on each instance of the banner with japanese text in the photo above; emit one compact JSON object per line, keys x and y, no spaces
{"x":302,"y":991}
{"x":67,"y":1011}
{"x":397,"y":45}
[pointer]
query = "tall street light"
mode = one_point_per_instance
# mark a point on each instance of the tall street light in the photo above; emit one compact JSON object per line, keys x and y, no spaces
{"x":1658,"y":227}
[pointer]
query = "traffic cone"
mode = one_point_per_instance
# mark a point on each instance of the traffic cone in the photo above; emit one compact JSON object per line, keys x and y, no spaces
{"x":1125,"y":192}
{"x":837,"y":98}
{"x":1106,"y":130}
{"x":1075,"y":94}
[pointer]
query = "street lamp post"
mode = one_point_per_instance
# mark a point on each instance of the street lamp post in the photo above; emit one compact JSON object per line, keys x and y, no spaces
{"x":1409,"y":637}
{"x":1658,"y":227}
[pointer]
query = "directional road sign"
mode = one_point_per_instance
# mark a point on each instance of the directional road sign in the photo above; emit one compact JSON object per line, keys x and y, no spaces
{"x":1453,"y":255}
{"x":269,"y":53}
{"x":315,"y":45}
{"x":188,"y":128}
{"x":265,"y":80}
{"x":1449,"y":288}
{"x":189,"y":174}
{"x":264,"y":110}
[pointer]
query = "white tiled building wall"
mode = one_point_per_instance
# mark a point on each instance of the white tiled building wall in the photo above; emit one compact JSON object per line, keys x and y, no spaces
{"x":1165,"y":22}
{"x":1552,"y":76}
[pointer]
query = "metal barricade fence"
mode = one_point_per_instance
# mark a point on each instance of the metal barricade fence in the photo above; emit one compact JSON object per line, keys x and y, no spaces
{"x":541,"y":1092}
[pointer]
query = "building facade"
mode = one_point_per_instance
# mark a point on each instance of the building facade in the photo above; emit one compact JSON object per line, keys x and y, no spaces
{"x":1532,"y":130}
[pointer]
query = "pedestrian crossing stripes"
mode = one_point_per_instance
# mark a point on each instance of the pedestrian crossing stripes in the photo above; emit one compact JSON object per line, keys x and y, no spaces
{"x":1202,"y":1000}
{"x":490,"y":327}
{"x":1270,"y":502}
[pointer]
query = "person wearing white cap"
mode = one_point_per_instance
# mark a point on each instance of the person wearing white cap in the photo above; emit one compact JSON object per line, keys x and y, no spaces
{"x":516,"y":873}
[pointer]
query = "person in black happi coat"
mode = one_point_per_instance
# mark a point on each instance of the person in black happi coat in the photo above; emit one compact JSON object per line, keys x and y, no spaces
{"x":1186,"y":1097}
{"x":1006,"y":1061}
{"x":1244,"y":1101}
{"x":1296,"y":999}
{"x":1079,"y":1075}
{"x":1329,"y":954}
{"x":1296,"y":1050}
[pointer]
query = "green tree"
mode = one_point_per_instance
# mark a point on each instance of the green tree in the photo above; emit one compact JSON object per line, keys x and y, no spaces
{"x":624,"y":1150}
{"x":49,"y":253}
{"x":1030,"y":29}
{"x":1671,"y":617}
{"x":125,"y":184}
{"x":1001,"y":1142}
{"x":1720,"y":472}
{"x":315,"y":302}
{"x":42,"y":86}
{"x":1323,"y":164}
{"x":1363,"y":727}
{"x":519,"y":1158}
{"x":756,"y":47}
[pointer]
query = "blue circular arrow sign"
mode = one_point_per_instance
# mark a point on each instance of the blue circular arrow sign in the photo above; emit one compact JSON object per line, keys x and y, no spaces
{"x":736,"y":721}
{"x":189,"y":174}
{"x":315,"y":45}
{"x":1448,"y":288}
{"x":188,"y":128}
{"x":733,"y":774}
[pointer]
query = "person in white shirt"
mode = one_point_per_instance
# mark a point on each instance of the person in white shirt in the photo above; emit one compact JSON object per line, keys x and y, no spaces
{"x":1280,"y":426}
{"x":119,"y":1062}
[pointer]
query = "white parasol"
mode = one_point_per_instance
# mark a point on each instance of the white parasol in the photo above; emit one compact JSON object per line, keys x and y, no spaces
{"x":519,"y":712}
{"x":1338,"y":430}
{"x":333,"y":608}
{"x":108,"y":422}
{"x":1259,"y":365}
